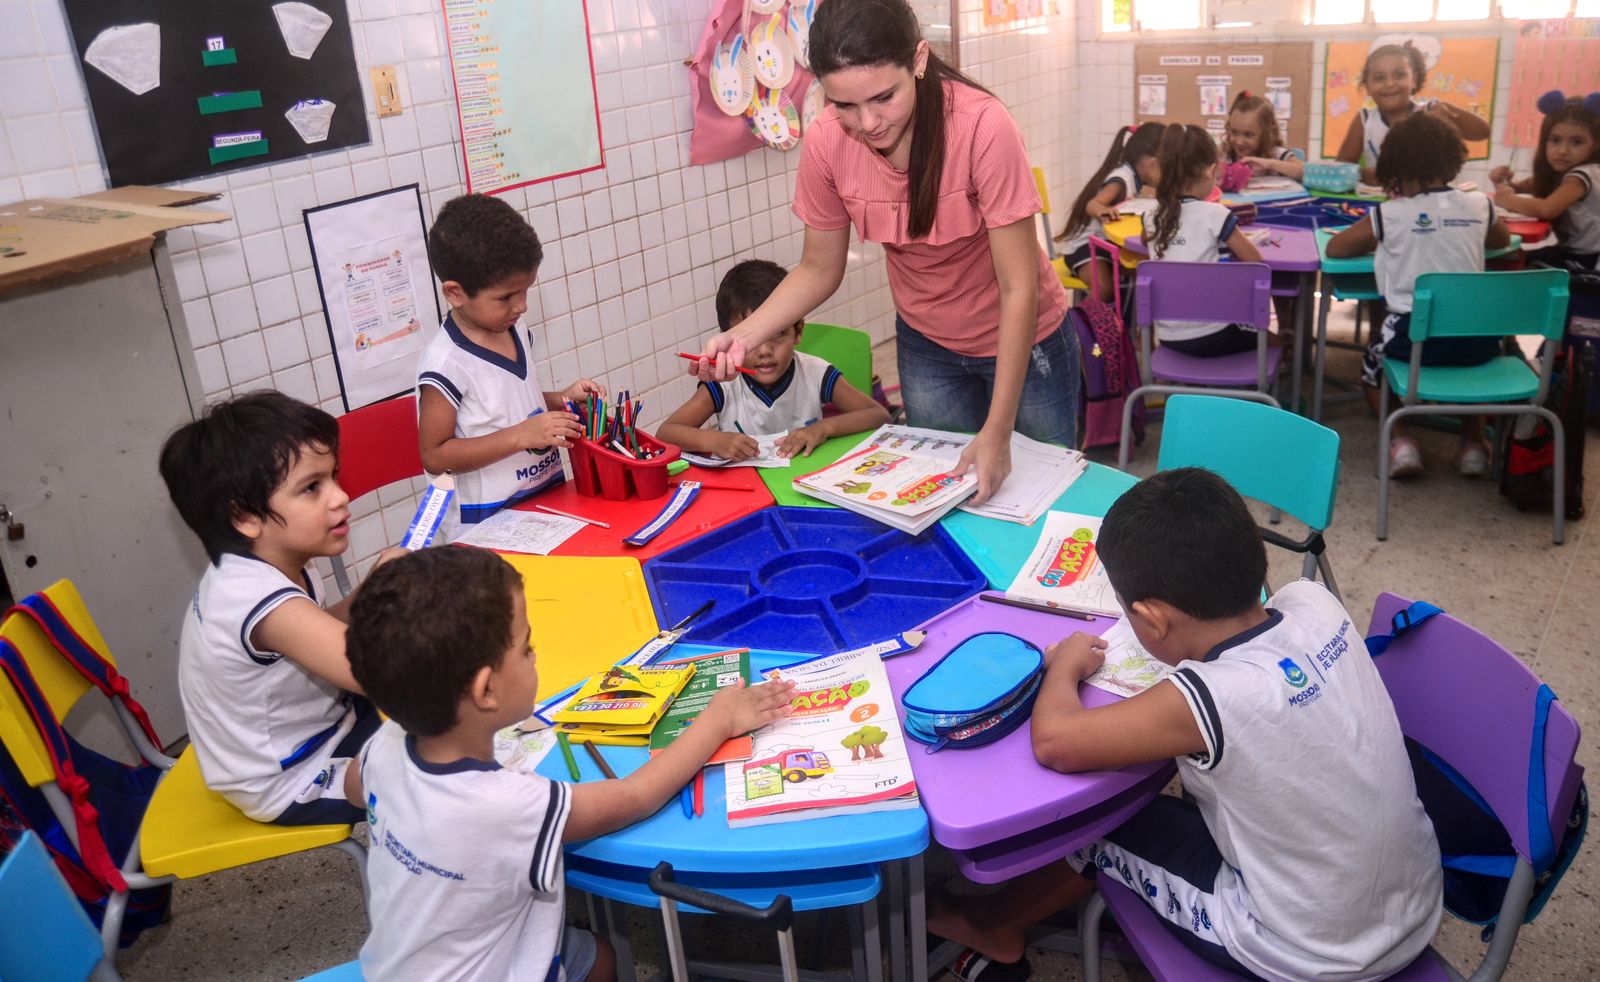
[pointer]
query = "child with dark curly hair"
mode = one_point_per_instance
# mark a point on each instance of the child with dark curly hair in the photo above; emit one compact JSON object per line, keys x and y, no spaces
{"x":1427,"y":227}
{"x":481,"y":413}
{"x":1565,"y":186}
{"x":1392,"y":76}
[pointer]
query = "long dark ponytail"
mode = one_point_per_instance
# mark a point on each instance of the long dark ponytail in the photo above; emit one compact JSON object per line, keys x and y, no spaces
{"x":1132,"y":145}
{"x":864,"y":33}
{"x":1186,"y":152}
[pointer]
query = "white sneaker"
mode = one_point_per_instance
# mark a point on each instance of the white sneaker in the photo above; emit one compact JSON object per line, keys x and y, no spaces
{"x":1473,"y":460}
{"x":1405,"y":460}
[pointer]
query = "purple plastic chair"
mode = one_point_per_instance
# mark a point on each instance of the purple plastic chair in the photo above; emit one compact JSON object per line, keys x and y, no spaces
{"x":1230,"y":293}
{"x":1471,"y":702}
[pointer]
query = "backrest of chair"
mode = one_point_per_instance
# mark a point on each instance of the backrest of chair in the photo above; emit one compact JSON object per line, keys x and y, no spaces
{"x":378,"y":445}
{"x":1044,"y":192}
{"x":58,"y":681}
{"x":1268,"y":454}
{"x":1529,"y":301}
{"x":45,"y":935}
{"x":1470,"y":701}
{"x":845,"y":348}
{"x":1229,"y":293}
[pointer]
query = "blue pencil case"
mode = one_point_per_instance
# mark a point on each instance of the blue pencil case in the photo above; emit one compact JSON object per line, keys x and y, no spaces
{"x":977,"y":693}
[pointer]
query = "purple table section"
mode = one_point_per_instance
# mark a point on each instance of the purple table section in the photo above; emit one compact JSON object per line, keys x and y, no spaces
{"x":996,"y":808}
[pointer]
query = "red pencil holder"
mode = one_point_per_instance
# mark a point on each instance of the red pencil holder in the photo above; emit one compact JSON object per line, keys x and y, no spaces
{"x":603,"y":471}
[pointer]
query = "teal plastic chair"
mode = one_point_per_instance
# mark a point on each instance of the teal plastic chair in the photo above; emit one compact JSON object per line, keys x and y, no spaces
{"x":845,"y":348}
{"x":348,"y":972}
{"x":1452,"y":305}
{"x":45,"y":936}
{"x":1266,"y":453}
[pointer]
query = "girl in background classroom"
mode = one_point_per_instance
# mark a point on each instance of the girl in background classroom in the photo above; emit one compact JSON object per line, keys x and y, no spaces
{"x":1392,"y":76}
{"x":1187,"y":228}
{"x":1253,"y":139}
{"x":1565,"y":186}
{"x":1129,"y":171}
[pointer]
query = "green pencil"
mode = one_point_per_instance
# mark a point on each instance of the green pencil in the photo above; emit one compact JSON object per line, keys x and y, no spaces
{"x":566,"y":754}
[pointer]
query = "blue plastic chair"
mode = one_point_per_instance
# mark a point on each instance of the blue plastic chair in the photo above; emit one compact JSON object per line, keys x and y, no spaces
{"x":348,"y":972}
{"x":1269,"y":454}
{"x":45,"y":936}
{"x":1228,"y":293}
{"x":1448,"y":305}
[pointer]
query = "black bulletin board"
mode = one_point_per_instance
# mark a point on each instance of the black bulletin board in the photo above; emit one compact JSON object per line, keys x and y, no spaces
{"x":161,"y":136}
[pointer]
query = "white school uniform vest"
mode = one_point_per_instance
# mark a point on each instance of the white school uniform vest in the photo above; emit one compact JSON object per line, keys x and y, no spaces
{"x":1579,"y":228}
{"x":1203,"y":228}
{"x":1438,"y":231}
{"x":1131,"y":186}
{"x":795,"y":400}
{"x":1374,"y":129}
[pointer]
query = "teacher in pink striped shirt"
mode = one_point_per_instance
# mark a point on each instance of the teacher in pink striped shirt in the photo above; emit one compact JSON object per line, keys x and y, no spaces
{"x":920,"y":158}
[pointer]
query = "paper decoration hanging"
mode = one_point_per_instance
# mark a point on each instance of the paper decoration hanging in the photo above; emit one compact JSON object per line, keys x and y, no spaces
{"x":771,"y":53}
{"x":811,"y":106}
{"x":733,"y":78}
{"x":1551,"y":54}
{"x":766,"y":6}
{"x":302,"y":26}
{"x":129,"y":55}
{"x":311,"y":119}
{"x":719,"y":135}
{"x":798,"y":24}
{"x":775,"y":119}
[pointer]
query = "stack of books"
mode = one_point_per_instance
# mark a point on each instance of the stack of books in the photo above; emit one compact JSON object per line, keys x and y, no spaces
{"x":621,"y":705}
{"x":900,"y":475}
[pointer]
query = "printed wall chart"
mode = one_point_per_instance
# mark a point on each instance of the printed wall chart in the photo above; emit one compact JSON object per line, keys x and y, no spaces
{"x":1551,"y":54}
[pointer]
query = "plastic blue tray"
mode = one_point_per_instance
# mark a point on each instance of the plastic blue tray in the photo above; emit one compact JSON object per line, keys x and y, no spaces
{"x":1323,"y":214}
{"x":810,"y":580}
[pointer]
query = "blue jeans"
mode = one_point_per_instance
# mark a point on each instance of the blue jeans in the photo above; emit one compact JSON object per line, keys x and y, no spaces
{"x":944,"y":390}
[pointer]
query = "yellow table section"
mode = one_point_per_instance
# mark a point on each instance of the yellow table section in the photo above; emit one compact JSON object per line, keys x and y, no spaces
{"x":586,"y":614}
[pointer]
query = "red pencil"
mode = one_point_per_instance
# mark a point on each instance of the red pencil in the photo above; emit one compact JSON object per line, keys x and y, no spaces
{"x":741,"y":368}
{"x":699,"y":792}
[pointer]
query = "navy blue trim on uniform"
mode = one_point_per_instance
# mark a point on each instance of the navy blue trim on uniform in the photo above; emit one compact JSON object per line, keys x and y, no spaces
{"x":519,"y":367}
{"x":547,"y":845}
{"x":718,"y":399}
{"x":1588,"y":182}
{"x":830,"y":378}
{"x":463,"y":766}
{"x":309,"y":746}
{"x":1229,"y":226}
{"x":261,"y":609}
{"x":446,"y":387}
{"x":1195,"y":691}
{"x":554,"y":974}
{"x":768,"y":396}
{"x":1274,"y":618}
{"x":1376,"y":211}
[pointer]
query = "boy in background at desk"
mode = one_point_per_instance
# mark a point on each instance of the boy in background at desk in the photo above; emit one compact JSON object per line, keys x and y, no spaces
{"x":272,"y":708}
{"x":1427,"y":227}
{"x":465,"y":875}
{"x":787,"y":391}
{"x":1305,"y":852}
{"x":480,"y":411}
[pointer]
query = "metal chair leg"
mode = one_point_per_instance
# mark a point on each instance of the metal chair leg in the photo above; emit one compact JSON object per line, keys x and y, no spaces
{"x":1089,"y":935}
{"x":1384,"y":429}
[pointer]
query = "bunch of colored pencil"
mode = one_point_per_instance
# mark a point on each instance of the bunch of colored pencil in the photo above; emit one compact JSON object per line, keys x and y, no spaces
{"x":617,"y":429}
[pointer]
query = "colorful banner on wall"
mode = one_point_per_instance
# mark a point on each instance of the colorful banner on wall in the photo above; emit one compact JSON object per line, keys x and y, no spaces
{"x":1550,"y":54}
{"x":1461,"y":71}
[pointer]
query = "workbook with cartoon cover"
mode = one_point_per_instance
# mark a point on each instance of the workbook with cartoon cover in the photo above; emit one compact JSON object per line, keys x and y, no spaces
{"x":1065,"y":568}
{"x":840,"y":751}
{"x":622,"y":698}
{"x":900,"y":475}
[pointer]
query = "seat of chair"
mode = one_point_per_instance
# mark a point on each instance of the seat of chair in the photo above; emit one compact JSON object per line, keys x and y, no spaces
{"x":1353,"y":286}
{"x":1234,"y":371}
{"x":190,"y":830}
{"x":1166,"y":957}
{"x":1502,"y":380}
{"x":1068,"y":280}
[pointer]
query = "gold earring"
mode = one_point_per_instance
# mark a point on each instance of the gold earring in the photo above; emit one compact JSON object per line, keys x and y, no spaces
{"x":919,"y":75}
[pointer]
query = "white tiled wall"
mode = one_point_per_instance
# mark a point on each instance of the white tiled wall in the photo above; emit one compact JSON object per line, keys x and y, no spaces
{"x":633,"y":252}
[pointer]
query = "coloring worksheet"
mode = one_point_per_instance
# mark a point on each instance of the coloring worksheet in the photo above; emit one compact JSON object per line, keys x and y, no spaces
{"x":1129,"y":669}
{"x":766,"y":456}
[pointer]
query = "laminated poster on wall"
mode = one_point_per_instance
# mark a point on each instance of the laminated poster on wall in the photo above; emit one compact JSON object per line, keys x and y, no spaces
{"x":1563,"y":55}
{"x":371,"y":260}
{"x":1461,"y":72}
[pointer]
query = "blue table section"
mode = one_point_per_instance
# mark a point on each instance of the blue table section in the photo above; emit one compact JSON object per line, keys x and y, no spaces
{"x":810,"y":580}
{"x":1326,"y":213}
{"x":1000,"y":548}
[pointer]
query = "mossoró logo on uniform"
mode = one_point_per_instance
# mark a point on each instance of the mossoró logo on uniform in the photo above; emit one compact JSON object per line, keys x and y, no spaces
{"x":1292,"y":673}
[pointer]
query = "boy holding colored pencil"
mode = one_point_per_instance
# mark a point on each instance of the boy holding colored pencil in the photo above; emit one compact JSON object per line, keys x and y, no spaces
{"x":780,"y":390}
{"x":480,"y":411}
{"x":465,"y":875}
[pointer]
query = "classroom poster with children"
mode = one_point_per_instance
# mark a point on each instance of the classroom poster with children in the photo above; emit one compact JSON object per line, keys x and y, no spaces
{"x":1461,"y":71}
{"x":1551,"y":54}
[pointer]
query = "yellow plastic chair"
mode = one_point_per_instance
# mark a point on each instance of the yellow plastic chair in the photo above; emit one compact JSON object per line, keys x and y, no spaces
{"x":1057,"y":263}
{"x":188,"y":830}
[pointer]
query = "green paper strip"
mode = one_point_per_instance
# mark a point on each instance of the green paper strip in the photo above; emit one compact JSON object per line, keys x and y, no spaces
{"x":232,"y":101}
{"x":227,"y":56}
{"x":221,"y":155}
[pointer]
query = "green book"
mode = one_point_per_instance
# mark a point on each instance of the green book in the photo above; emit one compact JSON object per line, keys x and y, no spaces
{"x":711,"y":672}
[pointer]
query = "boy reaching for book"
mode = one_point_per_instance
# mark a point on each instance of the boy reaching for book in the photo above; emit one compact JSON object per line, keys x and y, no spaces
{"x":786,"y":391}
{"x":465,"y":874}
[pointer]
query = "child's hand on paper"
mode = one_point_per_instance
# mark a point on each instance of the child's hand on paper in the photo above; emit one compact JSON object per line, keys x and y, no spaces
{"x":1080,"y":655}
{"x":737,"y":709}
{"x":736,"y":446}
{"x":800,"y":443}
{"x":552,"y":429}
{"x":583,"y":388}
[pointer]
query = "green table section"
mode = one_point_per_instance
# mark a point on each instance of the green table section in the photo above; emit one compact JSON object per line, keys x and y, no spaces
{"x":779,"y":480}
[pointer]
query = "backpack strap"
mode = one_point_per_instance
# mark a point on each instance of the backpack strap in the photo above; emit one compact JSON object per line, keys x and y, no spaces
{"x":92,"y":850}
{"x":1540,"y":842}
{"x":1403,"y":621}
{"x":90,"y":663}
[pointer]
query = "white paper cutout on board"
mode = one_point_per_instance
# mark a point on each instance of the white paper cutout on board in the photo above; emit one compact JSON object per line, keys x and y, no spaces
{"x":129,"y":55}
{"x":798,"y":23}
{"x":771,"y":54}
{"x":775,"y":119}
{"x":733,"y":80}
{"x":766,"y":6}
{"x":811,"y":106}
{"x":302,"y":26}
{"x":311,"y":119}
{"x":1152,"y":100}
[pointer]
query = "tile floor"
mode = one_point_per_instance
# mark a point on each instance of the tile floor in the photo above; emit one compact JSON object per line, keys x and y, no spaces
{"x":1452,"y":541}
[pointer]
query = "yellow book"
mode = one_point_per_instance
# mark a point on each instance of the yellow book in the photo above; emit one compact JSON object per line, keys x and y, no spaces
{"x":624,"y":697}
